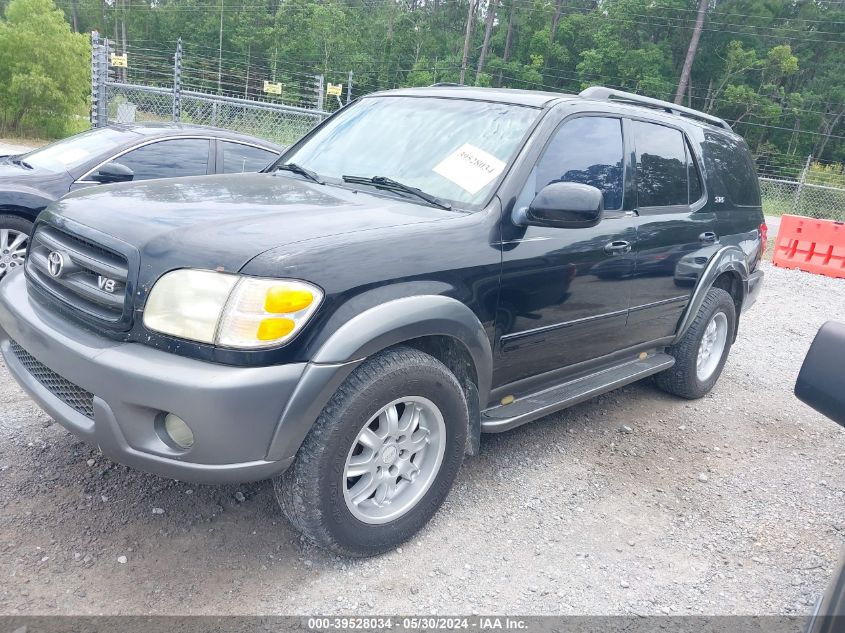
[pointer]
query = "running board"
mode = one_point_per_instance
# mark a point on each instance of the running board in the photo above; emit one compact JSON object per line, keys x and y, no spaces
{"x":505,"y":417}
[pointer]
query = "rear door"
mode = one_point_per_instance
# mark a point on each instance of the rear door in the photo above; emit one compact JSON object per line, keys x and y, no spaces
{"x":675,"y":228}
{"x":564,"y":292}
{"x":736,"y":193}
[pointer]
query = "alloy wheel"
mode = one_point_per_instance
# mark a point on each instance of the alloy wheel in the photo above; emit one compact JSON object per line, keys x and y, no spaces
{"x":12,"y":250}
{"x":712,"y":346}
{"x":394,"y":460}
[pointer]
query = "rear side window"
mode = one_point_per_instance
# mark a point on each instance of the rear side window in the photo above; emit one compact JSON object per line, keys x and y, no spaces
{"x":695,"y":188}
{"x":587,"y":150}
{"x":239,"y":158}
{"x":662,"y":179}
{"x":729,"y":158}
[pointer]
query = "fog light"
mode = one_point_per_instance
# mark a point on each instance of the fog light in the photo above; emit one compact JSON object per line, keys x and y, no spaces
{"x":178,"y":431}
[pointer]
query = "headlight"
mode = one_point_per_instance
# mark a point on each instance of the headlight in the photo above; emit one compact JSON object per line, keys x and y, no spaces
{"x":229,"y":310}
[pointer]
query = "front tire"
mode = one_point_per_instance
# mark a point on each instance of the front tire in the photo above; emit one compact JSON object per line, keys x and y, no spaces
{"x":381,"y":457}
{"x":701,"y":354}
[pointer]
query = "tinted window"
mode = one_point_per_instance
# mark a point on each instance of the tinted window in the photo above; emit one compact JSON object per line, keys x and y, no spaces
{"x":586,"y":150}
{"x":730,"y":159}
{"x":168,"y":159}
{"x":661,"y":165}
{"x":694,"y":179}
{"x":238,"y":158}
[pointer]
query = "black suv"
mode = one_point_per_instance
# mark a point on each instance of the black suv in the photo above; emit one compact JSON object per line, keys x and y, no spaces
{"x":425,"y":265}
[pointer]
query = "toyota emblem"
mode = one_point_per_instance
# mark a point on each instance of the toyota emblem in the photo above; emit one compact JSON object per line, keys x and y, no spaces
{"x":55,"y":263}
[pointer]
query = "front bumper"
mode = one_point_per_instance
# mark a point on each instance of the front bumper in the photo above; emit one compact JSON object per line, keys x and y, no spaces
{"x":234,"y":412}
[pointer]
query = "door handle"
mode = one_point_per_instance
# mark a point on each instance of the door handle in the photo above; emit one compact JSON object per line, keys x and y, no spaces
{"x":708,"y":237}
{"x":617,"y":247}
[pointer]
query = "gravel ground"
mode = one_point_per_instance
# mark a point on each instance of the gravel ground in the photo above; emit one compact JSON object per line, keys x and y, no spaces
{"x":635,"y":502}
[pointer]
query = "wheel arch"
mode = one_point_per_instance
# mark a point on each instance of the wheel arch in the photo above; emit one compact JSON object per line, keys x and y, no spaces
{"x":456,"y":356}
{"x":728,"y":269}
{"x":438,"y":325}
{"x":24,"y":202}
{"x":18,"y":211}
{"x":731,"y":282}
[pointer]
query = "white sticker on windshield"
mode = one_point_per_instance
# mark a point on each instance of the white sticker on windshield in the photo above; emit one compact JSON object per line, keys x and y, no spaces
{"x":470,"y":168}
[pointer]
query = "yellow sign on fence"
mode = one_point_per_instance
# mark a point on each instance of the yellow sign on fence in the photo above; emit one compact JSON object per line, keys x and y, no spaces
{"x":271,"y":88}
{"x":334,"y":90}
{"x":119,"y":61}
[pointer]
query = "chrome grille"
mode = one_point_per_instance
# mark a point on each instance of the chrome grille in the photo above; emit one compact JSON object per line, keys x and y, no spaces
{"x":90,"y":279}
{"x":72,"y":395}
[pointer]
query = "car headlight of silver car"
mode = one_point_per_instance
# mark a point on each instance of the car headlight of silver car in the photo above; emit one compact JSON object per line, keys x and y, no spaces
{"x":230,"y":310}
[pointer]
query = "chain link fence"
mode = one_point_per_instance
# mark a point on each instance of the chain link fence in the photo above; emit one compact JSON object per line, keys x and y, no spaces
{"x":802,"y":198}
{"x":113,"y":101}
{"x":818,"y":192}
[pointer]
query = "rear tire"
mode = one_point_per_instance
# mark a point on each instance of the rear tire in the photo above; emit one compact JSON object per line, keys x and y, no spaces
{"x":14,"y":240}
{"x":701,"y":354}
{"x":401,"y":419}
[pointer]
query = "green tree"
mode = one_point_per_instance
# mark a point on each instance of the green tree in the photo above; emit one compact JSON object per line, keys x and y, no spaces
{"x":44,"y":71}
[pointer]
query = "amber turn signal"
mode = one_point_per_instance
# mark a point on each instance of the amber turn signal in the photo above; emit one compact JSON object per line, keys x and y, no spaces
{"x":284,"y":300}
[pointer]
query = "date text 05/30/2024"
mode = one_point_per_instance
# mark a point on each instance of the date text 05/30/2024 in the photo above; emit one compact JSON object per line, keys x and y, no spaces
{"x":480,"y":623}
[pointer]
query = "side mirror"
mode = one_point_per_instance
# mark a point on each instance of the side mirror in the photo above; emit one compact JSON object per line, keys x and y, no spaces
{"x":564,"y":205}
{"x":821,"y":383}
{"x":113,"y":172}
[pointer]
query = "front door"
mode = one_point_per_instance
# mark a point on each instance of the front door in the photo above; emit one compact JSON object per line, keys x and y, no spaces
{"x":564,"y":292}
{"x":172,"y":158}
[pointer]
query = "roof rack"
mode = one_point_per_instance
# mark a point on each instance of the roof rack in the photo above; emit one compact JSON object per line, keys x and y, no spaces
{"x":600,"y":93}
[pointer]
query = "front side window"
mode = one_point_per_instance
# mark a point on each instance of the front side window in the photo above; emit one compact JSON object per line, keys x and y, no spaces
{"x":168,"y":159}
{"x":661,"y":165}
{"x":239,"y":158}
{"x":587,"y":150}
{"x":455,"y":149}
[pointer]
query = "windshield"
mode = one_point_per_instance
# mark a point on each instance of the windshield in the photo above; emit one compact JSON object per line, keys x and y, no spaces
{"x":76,"y":150}
{"x":450,"y":148}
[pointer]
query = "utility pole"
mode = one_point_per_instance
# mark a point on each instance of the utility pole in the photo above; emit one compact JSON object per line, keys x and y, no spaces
{"x":349,"y":89}
{"x":467,"y":38}
{"x":691,"y":51}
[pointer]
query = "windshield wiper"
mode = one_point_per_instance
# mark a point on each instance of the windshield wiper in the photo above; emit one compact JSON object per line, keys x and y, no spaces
{"x":19,"y":161}
{"x":297,"y":169}
{"x":384,"y":182}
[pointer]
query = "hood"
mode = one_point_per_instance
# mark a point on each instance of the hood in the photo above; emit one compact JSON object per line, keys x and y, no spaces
{"x":36,"y":183}
{"x":222,"y":222}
